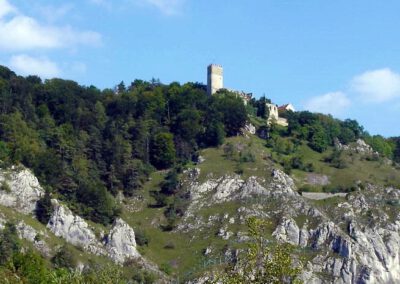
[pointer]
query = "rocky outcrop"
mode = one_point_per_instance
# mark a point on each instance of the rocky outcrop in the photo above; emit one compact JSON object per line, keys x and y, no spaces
{"x":288,"y":231}
{"x":358,"y":255}
{"x":75,"y":230}
{"x":360,"y":147}
{"x":234,"y":188}
{"x":120,"y":243}
{"x":36,"y":238}
{"x":231,"y":188}
{"x":21,"y":191}
{"x":350,"y":237}
{"x":250,"y":128}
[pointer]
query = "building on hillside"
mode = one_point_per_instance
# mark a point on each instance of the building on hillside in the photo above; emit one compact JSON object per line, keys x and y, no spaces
{"x":215,"y":82}
{"x":273,"y":117}
{"x":286,"y":107}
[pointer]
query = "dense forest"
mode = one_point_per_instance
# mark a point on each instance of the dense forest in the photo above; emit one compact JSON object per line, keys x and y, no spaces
{"x":85,"y":145}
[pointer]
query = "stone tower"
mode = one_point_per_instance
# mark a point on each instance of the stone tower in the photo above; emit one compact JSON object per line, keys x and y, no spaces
{"x":215,"y":79}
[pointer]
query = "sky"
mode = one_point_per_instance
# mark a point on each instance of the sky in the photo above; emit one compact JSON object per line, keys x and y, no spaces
{"x":337,"y":57}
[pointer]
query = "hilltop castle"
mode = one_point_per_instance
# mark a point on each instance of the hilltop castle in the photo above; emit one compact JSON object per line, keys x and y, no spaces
{"x":215,"y":82}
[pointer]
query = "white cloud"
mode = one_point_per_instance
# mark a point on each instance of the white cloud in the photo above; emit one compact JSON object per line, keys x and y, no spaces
{"x":6,"y":8}
{"x":377,"y":86}
{"x":168,"y":7}
{"x":20,"y":33}
{"x":331,"y":103}
{"x":27,"y":65}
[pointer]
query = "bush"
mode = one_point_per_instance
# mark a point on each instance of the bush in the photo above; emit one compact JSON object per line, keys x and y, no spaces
{"x":142,"y":239}
{"x":229,"y":150}
{"x":161,"y":200}
{"x":144,"y":277}
{"x":64,"y":258}
{"x":166,"y":268}
{"x":338,"y":189}
{"x":247,"y":157}
{"x":32,"y":267}
{"x":9,"y":243}
{"x":336,"y":160}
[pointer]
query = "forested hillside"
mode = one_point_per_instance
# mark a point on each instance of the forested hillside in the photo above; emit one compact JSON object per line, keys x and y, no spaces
{"x":86,"y":144}
{"x":157,"y":145}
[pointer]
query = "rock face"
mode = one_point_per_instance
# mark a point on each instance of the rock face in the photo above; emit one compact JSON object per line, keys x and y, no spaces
{"x":75,"y":230}
{"x":24,"y":190}
{"x":120,"y":243}
{"x":22,"y":193}
{"x":353,"y":238}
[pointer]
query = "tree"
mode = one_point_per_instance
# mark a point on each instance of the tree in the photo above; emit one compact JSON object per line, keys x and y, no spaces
{"x":214,"y":134}
{"x":233,"y":111}
{"x":44,"y":208}
{"x":261,"y":263}
{"x":162,"y":150}
{"x":100,"y":204}
{"x":319,"y":139}
{"x":170,"y":185}
{"x":22,"y":140}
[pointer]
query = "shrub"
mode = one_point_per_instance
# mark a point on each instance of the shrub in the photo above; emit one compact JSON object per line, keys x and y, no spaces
{"x":166,"y":267}
{"x":9,"y":243}
{"x":64,"y":258}
{"x":247,"y":157}
{"x":141,"y":238}
{"x":144,"y":277}
{"x":229,"y":150}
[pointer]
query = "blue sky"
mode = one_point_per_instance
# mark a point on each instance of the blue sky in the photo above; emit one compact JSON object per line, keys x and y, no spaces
{"x":339,"y":57}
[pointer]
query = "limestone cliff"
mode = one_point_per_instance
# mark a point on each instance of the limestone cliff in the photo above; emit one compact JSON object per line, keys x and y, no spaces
{"x":353,"y":240}
{"x":22,"y":193}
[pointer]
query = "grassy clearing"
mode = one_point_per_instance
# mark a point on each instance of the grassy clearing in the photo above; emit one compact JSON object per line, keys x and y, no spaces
{"x":218,"y":164}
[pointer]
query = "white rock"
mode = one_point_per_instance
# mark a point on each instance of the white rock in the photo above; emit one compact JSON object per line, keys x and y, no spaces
{"x":25,"y":190}
{"x":30,"y":234}
{"x":287,"y":231}
{"x":120,"y":243}
{"x":75,"y":230}
{"x":250,"y":128}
